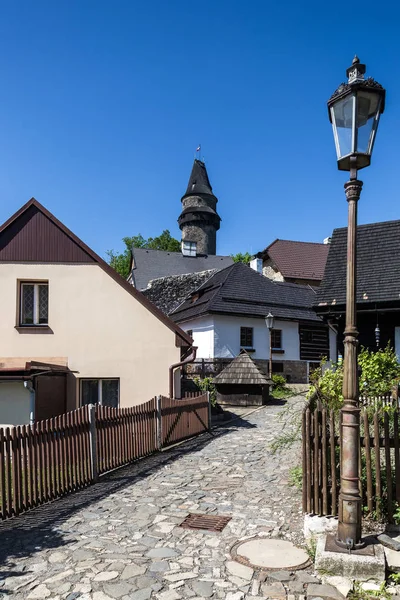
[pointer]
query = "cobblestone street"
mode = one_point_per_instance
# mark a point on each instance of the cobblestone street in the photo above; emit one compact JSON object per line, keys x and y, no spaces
{"x":121,"y":538}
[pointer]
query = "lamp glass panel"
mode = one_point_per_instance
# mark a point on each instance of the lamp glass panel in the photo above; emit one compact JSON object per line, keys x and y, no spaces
{"x":342,"y":121}
{"x":368,"y":104}
{"x":269,"y":320}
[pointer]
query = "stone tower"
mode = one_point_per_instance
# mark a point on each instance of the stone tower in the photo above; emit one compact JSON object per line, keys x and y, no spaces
{"x":199,"y":220}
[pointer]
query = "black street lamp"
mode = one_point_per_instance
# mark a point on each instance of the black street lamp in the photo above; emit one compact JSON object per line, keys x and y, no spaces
{"x":269,"y":321}
{"x":354,"y":111}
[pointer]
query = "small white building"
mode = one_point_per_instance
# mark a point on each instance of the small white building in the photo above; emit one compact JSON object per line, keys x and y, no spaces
{"x":227,"y":314}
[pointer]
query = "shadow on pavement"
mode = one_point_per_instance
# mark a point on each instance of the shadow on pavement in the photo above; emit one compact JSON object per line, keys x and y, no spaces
{"x":37,"y":529}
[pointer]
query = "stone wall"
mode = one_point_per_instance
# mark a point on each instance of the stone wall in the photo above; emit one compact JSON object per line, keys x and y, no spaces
{"x":271,"y":272}
{"x":168,"y":292}
{"x":203,"y":234}
{"x":294,"y":371}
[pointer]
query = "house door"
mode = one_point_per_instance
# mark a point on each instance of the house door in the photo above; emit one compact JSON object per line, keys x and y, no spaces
{"x":50,"y":396}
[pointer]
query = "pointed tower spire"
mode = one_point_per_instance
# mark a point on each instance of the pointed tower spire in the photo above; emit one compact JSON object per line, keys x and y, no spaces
{"x":199,"y":220}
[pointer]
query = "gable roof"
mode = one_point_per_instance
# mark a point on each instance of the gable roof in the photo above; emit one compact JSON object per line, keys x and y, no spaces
{"x":154,"y":264}
{"x":21,"y":240}
{"x":300,"y":260}
{"x":378,"y":265}
{"x":239,"y":290}
{"x":242,"y":370}
{"x":198,"y":180}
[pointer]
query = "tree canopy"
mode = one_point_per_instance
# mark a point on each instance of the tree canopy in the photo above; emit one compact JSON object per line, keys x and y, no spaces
{"x":120,"y":261}
{"x":240,"y":257}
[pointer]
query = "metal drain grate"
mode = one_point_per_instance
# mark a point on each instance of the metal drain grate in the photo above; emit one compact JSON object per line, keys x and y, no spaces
{"x":208,"y":522}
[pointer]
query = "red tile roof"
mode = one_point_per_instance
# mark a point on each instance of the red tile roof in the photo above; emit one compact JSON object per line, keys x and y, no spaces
{"x":300,"y":260}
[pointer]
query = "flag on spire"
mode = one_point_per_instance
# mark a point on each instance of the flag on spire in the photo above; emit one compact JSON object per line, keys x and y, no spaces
{"x":198,"y":148}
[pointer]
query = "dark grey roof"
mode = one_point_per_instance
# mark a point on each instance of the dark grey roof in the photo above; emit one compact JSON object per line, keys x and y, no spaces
{"x":240,"y":290}
{"x":378,"y":266}
{"x":153,"y":264}
{"x":168,"y":292}
{"x":198,"y":180}
{"x":242,"y":370}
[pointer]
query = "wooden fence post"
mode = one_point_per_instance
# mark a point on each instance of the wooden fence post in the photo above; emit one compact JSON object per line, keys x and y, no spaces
{"x":93,"y":442}
{"x":158,"y":423}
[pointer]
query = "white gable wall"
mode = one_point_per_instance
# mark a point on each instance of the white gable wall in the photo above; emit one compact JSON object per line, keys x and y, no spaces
{"x":203,"y":335}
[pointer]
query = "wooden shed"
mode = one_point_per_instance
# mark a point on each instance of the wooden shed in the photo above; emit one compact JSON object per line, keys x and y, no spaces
{"x":242,"y":383}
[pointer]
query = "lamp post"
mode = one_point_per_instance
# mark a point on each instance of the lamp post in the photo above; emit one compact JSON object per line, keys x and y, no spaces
{"x":354,"y":111}
{"x":269,"y":321}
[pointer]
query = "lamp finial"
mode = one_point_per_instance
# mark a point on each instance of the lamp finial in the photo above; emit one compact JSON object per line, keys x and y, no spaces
{"x":355,"y":73}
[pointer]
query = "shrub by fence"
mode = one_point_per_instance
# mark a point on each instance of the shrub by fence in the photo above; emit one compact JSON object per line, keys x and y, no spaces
{"x":47,"y":460}
{"x":379,"y":464}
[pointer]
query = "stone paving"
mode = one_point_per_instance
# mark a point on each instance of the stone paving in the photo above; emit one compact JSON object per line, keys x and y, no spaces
{"x":120,"y":539}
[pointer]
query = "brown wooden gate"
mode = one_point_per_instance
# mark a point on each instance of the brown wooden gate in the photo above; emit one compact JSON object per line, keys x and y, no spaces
{"x":181,"y":419}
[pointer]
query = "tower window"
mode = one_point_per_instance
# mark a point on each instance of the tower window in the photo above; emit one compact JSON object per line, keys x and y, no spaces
{"x":189,"y":248}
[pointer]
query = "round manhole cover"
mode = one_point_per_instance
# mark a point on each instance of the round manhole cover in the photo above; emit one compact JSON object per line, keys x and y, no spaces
{"x":270,"y":553}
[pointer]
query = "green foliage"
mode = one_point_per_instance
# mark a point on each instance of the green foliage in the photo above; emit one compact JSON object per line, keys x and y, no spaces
{"x":207,"y":385}
{"x":289,"y":428}
{"x":380,"y":371}
{"x":279,"y":382}
{"x":121,"y":261}
{"x":296,"y":477}
{"x":311,"y":548}
{"x":395,"y":578}
{"x":240,"y":257}
{"x":358,"y":593}
{"x":396,"y":514}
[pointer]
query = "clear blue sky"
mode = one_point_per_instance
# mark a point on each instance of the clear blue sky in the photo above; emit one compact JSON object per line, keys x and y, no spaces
{"x":102,"y":105}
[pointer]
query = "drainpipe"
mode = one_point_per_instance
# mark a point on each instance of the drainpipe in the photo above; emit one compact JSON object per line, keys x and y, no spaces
{"x":29,"y":386}
{"x":190,"y":359}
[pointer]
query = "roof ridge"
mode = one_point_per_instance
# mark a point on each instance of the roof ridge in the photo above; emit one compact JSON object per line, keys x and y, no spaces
{"x":393,"y":222}
{"x":300,"y":242}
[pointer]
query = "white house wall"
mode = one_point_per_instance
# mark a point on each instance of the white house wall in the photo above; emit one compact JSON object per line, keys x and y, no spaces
{"x":332,"y":345}
{"x":227,"y":337}
{"x":203,"y":335}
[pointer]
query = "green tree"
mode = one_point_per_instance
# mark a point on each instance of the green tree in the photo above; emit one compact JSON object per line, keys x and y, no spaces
{"x":120,"y":261}
{"x":240,"y":257}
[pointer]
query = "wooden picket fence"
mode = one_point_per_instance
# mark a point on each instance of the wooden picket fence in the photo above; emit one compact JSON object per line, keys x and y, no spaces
{"x":183,"y":420}
{"x":47,"y":460}
{"x":379,"y":464}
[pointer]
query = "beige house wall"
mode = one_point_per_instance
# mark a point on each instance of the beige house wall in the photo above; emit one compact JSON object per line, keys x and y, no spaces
{"x":97,"y":326}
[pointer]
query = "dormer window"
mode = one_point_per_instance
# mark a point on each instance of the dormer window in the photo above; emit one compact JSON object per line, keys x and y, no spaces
{"x":189,"y":248}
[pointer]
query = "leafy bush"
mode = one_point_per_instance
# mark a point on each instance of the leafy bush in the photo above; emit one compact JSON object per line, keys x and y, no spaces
{"x":296,"y":477}
{"x":380,"y":371}
{"x":207,"y":385}
{"x":279,"y":382}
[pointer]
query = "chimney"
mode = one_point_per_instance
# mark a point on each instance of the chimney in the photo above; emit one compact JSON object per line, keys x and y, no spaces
{"x":257,"y":264}
{"x":327,"y":240}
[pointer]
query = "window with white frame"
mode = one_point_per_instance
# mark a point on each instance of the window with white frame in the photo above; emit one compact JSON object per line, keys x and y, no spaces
{"x":100,"y":391}
{"x":34,"y":303}
{"x":189,"y":248}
